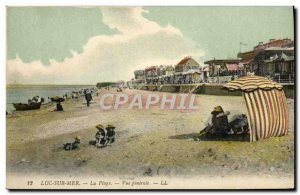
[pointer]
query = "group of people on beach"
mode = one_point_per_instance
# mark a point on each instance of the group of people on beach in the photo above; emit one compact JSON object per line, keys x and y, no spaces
{"x":104,"y":137}
{"x":35,"y":99}
{"x":87,"y":95}
{"x":219,"y":124}
{"x":86,"y":92}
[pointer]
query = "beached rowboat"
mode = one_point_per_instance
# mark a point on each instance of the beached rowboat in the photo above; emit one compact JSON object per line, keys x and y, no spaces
{"x":31,"y":106}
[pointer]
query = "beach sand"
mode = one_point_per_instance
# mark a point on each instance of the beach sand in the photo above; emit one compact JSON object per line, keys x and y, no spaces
{"x":149,"y":143}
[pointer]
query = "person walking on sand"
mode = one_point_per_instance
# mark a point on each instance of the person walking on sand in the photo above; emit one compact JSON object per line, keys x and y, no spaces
{"x":88,"y":97}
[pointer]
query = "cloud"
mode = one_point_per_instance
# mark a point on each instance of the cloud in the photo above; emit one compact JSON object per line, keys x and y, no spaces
{"x":131,"y":22}
{"x":139,"y":43}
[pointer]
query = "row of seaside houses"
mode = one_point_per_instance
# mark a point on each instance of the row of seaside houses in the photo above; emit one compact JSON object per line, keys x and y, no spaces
{"x":186,"y":71}
{"x":274,"y":59}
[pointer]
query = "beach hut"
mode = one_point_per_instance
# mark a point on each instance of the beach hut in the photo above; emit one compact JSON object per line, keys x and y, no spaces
{"x":266,"y":105}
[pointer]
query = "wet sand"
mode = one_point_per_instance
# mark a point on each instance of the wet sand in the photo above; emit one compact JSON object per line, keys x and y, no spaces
{"x":149,"y":143}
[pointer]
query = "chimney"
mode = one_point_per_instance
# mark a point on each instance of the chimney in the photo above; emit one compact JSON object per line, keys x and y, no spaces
{"x":260,"y":43}
{"x":271,"y":40}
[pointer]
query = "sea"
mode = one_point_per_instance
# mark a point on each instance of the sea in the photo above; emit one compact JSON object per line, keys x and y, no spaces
{"x":21,"y":93}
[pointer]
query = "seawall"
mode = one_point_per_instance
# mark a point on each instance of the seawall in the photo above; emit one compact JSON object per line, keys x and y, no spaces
{"x":207,"y":89}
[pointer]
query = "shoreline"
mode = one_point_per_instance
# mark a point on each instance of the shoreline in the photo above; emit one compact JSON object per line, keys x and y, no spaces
{"x":21,"y":93}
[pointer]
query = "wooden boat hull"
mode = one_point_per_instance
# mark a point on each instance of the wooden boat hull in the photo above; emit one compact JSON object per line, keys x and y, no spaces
{"x":32,"y":106}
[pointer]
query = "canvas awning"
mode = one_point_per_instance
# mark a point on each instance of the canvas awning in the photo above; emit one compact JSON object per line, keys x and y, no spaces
{"x":232,"y":67}
{"x":266,"y":105}
{"x":251,"y":83}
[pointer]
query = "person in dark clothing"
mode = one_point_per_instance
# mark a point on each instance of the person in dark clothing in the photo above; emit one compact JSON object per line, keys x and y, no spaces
{"x":58,"y":107}
{"x":104,"y":136}
{"x":219,"y":121}
{"x":218,"y":124}
{"x":74,"y":145}
{"x":88,"y":97}
{"x":110,"y":134}
{"x":100,"y":136}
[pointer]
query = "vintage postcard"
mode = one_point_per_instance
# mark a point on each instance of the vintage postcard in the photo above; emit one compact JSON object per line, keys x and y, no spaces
{"x":164,"y":98}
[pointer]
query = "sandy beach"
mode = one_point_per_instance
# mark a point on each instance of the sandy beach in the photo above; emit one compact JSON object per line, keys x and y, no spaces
{"x":149,"y":143}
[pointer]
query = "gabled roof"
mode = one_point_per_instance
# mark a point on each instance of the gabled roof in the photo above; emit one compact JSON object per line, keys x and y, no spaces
{"x":185,"y":60}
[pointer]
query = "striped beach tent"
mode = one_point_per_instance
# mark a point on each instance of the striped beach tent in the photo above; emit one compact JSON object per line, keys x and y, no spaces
{"x":266,"y":105}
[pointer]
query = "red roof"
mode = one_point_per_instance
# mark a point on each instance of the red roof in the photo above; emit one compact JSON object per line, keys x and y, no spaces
{"x":232,"y":67}
{"x":184,"y":61}
{"x":274,"y":43}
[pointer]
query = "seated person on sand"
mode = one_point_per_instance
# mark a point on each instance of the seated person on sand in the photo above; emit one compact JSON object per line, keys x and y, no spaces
{"x":74,"y":145}
{"x":110,"y":134}
{"x":219,"y":122}
{"x":100,"y":136}
{"x":103,"y":136}
{"x":58,"y":107}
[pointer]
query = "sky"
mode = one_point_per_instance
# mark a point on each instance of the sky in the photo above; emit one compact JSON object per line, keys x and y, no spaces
{"x":86,"y":45}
